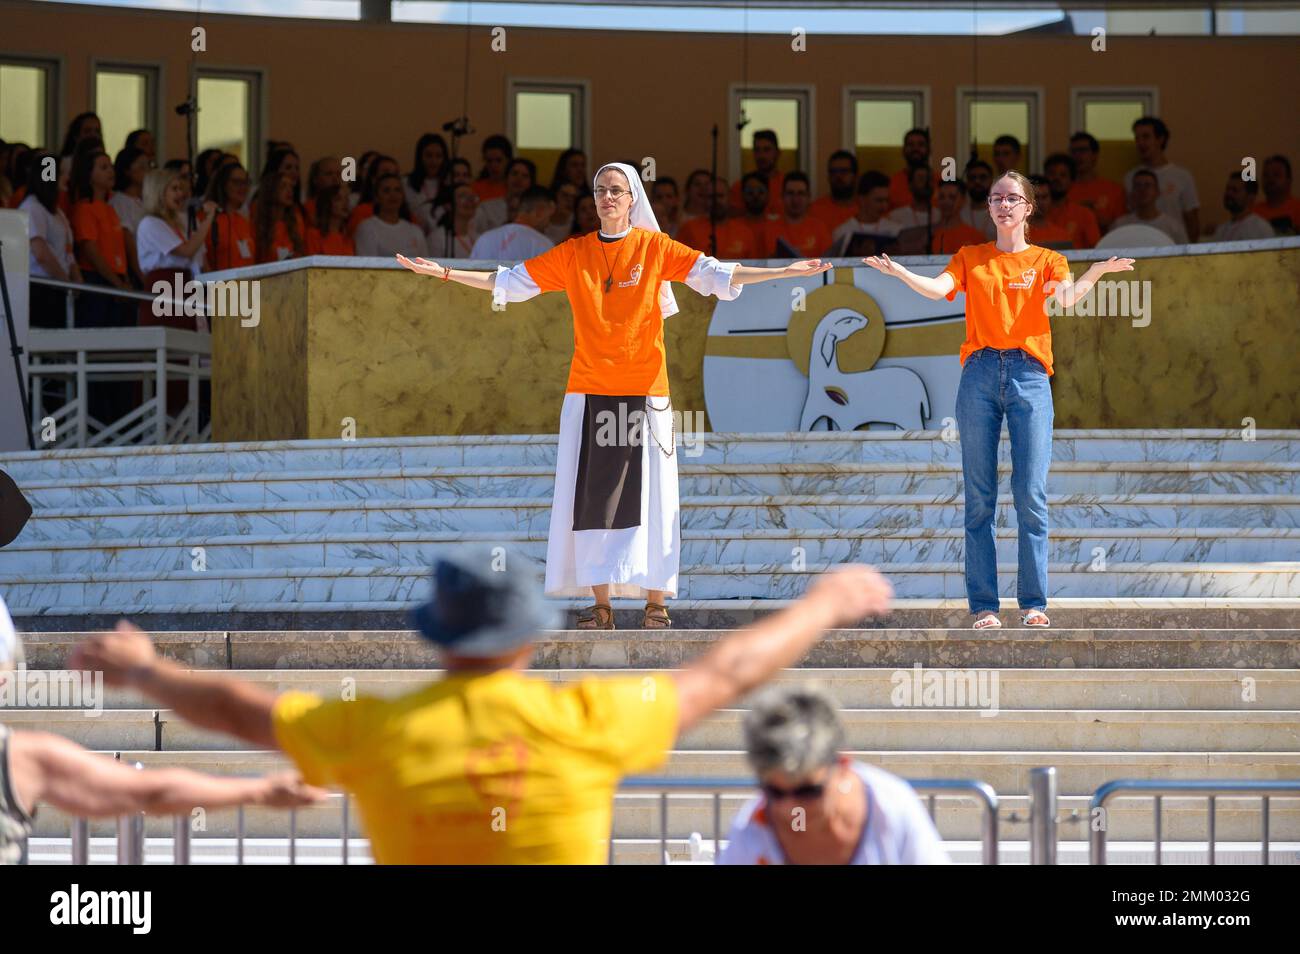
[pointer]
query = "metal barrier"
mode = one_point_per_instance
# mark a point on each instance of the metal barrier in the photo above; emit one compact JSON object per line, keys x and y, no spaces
{"x":1207,"y":788}
{"x":716,"y":787}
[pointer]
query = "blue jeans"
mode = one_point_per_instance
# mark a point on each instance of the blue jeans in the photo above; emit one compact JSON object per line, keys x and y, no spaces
{"x":1011,"y":384}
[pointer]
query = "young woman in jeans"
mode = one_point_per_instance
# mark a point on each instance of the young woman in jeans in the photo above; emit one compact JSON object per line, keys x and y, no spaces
{"x":1006,"y":363}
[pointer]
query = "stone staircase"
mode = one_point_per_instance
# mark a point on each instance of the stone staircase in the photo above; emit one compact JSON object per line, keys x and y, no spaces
{"x":1174,"y":652}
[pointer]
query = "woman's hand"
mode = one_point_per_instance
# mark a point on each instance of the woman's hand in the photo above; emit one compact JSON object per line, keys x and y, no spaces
{"x":885,"y":265}
{"x":1113,"y":264}
{"x":809,"y":266}
{"x":424,"y":266}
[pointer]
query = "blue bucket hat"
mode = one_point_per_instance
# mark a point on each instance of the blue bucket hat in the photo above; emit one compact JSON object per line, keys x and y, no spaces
{"x":485,"y":603}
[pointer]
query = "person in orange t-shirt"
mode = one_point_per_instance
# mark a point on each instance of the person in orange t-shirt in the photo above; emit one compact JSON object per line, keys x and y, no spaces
{"x":1104,"y":197}
{"x":608,"y":535}
{"x":1279,"y":207}
{"x":735,"y":238}
{"x":951,"y":233}
{"x":1077,"y":220}
{"x":767,"y":152}
{"x":842,"y":203}
{"x":807,"y":235}
{"x":491,"y":183}
{"x":328,"y":235}
{"x":230,"y":242}
{"x":99,"y":240}
{"x":916,"y":152}
{"x":1045,"y":230}
{"x":1012,"y":288}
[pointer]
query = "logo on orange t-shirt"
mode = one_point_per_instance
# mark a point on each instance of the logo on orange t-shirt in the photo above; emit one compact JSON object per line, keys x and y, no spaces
{"x":1026,"y":279}
{"x":635,"y":279}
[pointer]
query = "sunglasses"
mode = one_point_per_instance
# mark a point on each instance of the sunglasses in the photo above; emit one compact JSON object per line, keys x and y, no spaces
{"x":806,"y":792}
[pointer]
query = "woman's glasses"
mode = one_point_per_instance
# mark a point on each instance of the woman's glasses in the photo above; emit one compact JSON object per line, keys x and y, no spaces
{"x":600,"y":192}
{"x":1010,"y":200}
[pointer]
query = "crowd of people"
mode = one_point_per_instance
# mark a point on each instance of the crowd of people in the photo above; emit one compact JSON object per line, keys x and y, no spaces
{"x":120,"y":220}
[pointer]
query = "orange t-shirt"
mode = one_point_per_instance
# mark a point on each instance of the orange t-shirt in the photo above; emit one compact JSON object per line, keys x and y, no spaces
{"x":1103,"y":196}
{"x":1049,"y":231}
{"x":618,"y":336}
{"x":97,"y":222}
{"x":281,"y":245}
{"x":946,"y":240}
{"x":1006,"y":295}
{"x":1079,"y":224}
{"x":832,"y":213}
{"x":900,"y":189}
{"x":487,"y":189}
{"x":809,"y":236}
{"x":333,"y":243}
{"x":233,"y":246}
{"x":735,"y":238}
{"x":1289,"y":209}
{"x":775,"y":183}
{"x":16,"y":199}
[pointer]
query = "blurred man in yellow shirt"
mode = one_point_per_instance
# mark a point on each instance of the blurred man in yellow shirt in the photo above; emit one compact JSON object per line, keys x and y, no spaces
{"x":490,"y":764}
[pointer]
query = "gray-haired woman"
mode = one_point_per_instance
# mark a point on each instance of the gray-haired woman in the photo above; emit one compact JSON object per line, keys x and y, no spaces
{"x":818,"y":806}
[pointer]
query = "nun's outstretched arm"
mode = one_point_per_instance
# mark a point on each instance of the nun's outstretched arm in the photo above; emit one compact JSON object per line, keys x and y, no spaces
{"x":749,"y":274}
{"x":484,"y":281}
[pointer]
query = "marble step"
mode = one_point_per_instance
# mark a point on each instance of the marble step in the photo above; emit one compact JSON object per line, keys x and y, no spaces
{"x":894,"y":729}
{"x":217,"y":589}
{"x":813,"y":512}
{"x":1066,"y":477}
{"x":706,"y":448}
{"x":1078,"y":773}
{"x":1171,"y":647}
{"x":637,"y":816}
{"x":878,"y":546}
{"x":1244,"y":690}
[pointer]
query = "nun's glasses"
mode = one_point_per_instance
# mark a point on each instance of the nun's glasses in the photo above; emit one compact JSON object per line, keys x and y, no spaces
{"x":600,"y":192}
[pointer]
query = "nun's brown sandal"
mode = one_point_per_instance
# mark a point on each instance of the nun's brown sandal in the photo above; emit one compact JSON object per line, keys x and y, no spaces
{"x":600,"y":616}
{"x":656,"y":617}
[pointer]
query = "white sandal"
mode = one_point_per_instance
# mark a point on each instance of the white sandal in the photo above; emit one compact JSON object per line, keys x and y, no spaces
{"x":988,"y":622}
{"x":1026,"y":617}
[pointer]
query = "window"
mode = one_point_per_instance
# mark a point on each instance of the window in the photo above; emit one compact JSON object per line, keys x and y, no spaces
{"x":984,"y":115}
{"x":1108,"y":115}
{"x":787,"y":111}
{"x":877,"y":120}
{"x":28,"y":102}
{"x":229,"y":114}
{"x":126,"y":99}
{"x":546,"y":118}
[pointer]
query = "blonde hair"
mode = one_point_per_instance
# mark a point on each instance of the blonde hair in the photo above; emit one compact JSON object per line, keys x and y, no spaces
{"x":1026,"y":189}
{"x":153,"y":194}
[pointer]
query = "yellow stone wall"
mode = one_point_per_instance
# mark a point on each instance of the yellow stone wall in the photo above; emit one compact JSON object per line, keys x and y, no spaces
{"x":406,"y":355}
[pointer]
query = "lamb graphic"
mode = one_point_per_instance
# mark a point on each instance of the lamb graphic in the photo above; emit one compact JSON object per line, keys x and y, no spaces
{"x":849,"y":400}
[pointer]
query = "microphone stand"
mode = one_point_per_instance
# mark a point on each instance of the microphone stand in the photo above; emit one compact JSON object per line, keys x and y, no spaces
{"x":713,"y":185}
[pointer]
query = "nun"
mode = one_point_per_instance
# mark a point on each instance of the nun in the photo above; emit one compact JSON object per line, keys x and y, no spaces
{"x":615,"y":524}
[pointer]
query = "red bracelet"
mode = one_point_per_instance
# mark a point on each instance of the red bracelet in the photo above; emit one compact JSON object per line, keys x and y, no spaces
{"x":446,"y":273}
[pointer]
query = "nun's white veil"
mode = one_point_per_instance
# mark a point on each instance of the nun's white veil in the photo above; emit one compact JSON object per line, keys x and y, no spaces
{"x":641,"y":216}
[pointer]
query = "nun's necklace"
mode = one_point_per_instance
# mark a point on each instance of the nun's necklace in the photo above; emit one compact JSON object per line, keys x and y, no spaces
{"x":601,"y":237}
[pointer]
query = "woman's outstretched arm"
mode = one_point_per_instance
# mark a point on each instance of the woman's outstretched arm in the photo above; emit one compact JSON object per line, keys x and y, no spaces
{"x":484,"y":281}
{"x":932,"y":288}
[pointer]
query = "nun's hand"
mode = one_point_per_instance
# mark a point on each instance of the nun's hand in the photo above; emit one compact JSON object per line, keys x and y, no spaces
{"x":424,"y":266}
{"x":809,"y":266}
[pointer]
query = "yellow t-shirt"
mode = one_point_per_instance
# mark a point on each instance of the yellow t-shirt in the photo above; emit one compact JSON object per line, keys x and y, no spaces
{"x":500,"y":768}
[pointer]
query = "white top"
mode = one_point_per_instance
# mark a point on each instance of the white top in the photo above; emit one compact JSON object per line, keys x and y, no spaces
{"x":421,"y":203}
{"x":129,"y":209}
{"x":559,"y":233}
{"x":154,"y":241}
{"x":851,"y":227}
{"x":375,"y":238}
{"x":1251,"y":226}
{"x":513,"y":242}
{"x":461,"y":245}
{"x":1171,"y":225}
{"x":1177,"y":188}
{"x":906,"y":217}
{"x":8,"y":637}
{"x":898,"y":830}
{"x":55,"y":229}
{"x":491,"y":214}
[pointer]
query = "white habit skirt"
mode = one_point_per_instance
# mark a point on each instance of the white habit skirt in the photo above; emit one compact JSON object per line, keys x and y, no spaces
{"x":632,"y":560}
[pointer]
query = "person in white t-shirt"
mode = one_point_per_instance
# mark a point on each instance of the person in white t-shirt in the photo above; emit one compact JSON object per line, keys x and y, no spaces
{"x":872,"y":216}
{"x":390,"y":230}
{"x":454,"y":236}
{"x":129,"y":169}
{"x":522,"y":238}
{"x":560,"y":226}
{"x":521,"y":175}
{"x":1142,"y":198}
{"x":428,"y":178}
{"x":161,"y":242}
{"x":52,"y":253}
{"x":921,"y":210}
{"x":1239,"y":198}
{"x":817,"y":805}
{"x":1178,"y":196}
